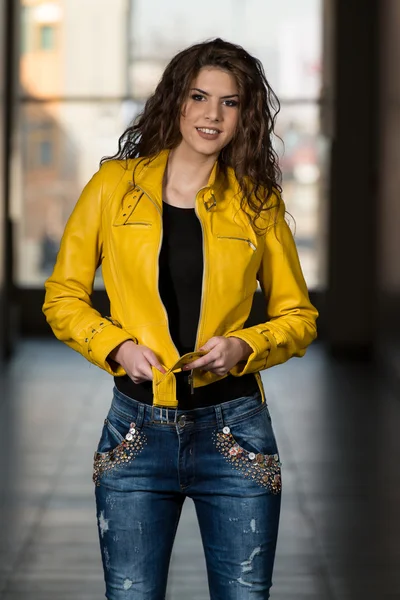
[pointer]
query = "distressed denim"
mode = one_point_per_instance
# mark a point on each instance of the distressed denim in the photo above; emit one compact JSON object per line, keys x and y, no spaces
{"x":225,"y":458}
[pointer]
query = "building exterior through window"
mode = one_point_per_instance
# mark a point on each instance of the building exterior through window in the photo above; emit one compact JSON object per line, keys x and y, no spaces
{"x":86,"y":70}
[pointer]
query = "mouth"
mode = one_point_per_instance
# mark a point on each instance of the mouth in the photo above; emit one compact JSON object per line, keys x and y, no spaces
{"x":208,"y":131}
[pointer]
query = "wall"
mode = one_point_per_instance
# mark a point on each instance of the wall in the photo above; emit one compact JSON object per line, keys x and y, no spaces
{"x":2,"y":172}
{"x":352,"y":227}
{"x":388,"y":213}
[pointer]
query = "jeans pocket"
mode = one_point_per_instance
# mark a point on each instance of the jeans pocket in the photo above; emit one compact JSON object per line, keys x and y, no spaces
{"x":120,"y":443}
{"x":249,"y":446}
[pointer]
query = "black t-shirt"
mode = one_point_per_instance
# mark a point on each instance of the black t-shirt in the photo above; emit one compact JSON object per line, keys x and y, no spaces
{"x":180,"y":285}
{"x":181,"y":274}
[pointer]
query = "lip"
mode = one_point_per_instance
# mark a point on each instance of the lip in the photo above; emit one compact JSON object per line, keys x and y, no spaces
{"x":210,"y":137}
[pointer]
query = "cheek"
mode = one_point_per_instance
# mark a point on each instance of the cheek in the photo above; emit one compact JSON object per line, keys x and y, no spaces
{"x":187,"y":118}
{"x":232,"y":124}
{"x":183,"y":125}
{"x":190,"y":111}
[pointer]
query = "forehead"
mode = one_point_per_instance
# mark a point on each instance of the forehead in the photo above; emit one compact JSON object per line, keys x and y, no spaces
{"x":215,"y":81}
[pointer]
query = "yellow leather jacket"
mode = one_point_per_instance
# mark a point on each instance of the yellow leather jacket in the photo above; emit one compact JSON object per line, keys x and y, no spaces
{"x":118,"y":225}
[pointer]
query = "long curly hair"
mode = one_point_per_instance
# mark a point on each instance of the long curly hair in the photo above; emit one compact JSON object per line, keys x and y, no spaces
{"x":250,"y":153}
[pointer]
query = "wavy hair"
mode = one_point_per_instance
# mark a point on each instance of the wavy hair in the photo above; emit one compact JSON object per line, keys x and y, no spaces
{"x":250,"y":153}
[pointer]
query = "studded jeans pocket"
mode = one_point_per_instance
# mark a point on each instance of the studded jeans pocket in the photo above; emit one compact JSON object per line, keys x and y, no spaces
{"x":250,"y":447}
{"x":116,"y":450}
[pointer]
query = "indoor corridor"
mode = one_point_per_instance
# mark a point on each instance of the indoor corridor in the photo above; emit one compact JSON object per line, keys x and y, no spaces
{"x":336,"y":426}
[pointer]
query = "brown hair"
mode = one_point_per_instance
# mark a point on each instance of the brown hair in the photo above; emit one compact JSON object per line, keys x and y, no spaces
{"x":250,"y":153}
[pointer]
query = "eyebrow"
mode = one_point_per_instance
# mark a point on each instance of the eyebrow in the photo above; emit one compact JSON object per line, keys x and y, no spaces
{"x":207,"y":94}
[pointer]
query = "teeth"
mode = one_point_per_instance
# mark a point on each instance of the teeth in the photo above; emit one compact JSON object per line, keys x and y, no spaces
{"x":204,"y":130}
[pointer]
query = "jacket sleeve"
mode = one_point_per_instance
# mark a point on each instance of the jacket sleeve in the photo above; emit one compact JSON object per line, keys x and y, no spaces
{"x":67,"y":306}
{"x":291,"y":316}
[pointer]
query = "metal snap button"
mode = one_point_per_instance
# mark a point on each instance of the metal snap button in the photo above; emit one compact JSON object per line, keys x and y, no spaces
{"x":182,"y":420}
{"x":226,"y":430}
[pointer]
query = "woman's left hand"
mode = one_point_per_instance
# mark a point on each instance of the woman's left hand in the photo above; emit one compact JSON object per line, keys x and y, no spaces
{"x":222,"y":354}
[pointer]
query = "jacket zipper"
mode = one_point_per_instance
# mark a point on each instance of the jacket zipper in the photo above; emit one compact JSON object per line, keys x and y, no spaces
{"x":202,"y":284}
{"x":230,"y":237}
{"x":158,"y":264}
{"x":139,"y":223}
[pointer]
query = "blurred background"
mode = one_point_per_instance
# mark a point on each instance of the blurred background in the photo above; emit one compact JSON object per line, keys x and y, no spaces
{"x":73,"y":75}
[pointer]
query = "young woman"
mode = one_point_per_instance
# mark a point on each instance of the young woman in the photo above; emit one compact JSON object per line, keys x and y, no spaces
{"x":185,"y":220}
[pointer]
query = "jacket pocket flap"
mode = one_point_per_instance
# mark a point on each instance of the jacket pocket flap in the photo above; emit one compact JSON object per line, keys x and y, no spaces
{"x":129,"y":203}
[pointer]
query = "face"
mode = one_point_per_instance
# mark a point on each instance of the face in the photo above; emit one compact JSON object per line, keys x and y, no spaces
{"x":210,"y":114}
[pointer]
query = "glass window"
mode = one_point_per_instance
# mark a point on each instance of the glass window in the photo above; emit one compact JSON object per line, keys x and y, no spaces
{"x":46,"y":149}
{"x":64,"y":142}
{"x":47,"y":37}
{"x":24,"y":29}
{"x":78,"y":99}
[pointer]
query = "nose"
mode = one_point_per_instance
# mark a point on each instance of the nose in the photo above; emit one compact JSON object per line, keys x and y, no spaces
{"x":213,"y":112}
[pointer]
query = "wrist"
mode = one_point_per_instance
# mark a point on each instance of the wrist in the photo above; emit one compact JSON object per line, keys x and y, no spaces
{"x":119,"y":352}
{"x":246,"y":350}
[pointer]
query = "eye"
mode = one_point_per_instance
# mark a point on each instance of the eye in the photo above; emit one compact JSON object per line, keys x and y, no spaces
{"x":231,"y":103}
{"x":197,"y":97}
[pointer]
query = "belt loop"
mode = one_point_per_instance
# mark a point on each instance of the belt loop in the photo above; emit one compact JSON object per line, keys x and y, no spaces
{"x":140,"y":415}
{"x":218,"y":414}
{"x":174,"y":412}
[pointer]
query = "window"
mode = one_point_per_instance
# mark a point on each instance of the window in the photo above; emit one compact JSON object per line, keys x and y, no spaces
{"x":47,"y":37}
{"x":25,"y":24}
{"x":87,"y":92}
{"x":45,"y":153}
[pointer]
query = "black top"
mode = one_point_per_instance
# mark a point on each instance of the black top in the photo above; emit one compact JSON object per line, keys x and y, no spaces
{"x":181,"y":274}
{"x":180,"y":286}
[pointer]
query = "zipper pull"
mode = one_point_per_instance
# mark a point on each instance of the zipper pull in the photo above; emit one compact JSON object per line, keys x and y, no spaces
{"x":190,"y":381}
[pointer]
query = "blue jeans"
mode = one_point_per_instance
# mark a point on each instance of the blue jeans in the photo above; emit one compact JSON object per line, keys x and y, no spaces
{"x":225,"y":458}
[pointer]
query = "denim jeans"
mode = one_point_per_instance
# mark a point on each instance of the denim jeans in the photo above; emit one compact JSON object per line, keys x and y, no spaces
{"x":225,"y":458}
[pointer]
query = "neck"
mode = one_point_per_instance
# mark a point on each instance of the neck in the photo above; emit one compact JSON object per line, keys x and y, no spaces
{"x":187,"y":170}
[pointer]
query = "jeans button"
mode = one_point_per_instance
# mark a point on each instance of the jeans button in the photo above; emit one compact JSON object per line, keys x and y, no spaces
{"x":182,"y":420}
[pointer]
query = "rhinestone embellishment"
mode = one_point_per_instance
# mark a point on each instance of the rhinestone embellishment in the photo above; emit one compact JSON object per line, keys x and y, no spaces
{"x":124,"y":453}
{"x":265,"y":469}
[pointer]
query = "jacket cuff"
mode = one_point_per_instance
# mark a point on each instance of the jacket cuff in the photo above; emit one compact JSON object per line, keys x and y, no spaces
{"x":257,"y":360}
{"x":102,"y":342}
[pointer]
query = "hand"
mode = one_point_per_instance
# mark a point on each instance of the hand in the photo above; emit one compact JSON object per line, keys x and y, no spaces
{"x":222,"y":354}
{"x":137,"y":361}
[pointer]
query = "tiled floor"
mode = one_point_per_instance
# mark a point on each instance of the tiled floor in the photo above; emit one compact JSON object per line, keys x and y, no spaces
{"x":338,"y":432}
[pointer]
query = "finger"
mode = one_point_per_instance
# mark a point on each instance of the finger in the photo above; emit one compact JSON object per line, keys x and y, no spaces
{"x":138,"y":380}
{"x":138,"y":377}
{"x":217,"y":370}
{"x":142,"y":370}
{"x":217,"y":367}
{"x":212,"y":342}
{"x":142,"y":373}
{"x":200,"y":363}
{"x":153,"y":360}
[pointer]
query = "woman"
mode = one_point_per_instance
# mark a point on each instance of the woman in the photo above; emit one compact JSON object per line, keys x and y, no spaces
{"x":185,"y":220}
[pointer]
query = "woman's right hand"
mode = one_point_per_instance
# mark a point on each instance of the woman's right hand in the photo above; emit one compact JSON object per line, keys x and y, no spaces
{"x":137,"y":361}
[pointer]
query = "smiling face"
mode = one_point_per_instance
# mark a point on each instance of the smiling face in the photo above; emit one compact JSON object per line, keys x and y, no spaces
{"x":210,"y":114}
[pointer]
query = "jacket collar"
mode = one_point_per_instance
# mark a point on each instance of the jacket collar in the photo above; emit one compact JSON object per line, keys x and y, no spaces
{"x":149,"y":175}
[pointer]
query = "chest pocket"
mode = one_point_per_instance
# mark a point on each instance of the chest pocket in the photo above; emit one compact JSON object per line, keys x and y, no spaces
{"x":133,"y":211}
{"x":238,"y":239}
{"x":236,"y":261}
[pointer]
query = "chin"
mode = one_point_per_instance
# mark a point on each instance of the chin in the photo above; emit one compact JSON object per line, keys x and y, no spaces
{"x":206,"y":150}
